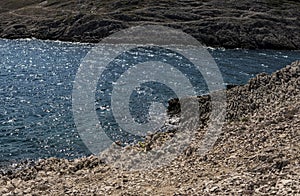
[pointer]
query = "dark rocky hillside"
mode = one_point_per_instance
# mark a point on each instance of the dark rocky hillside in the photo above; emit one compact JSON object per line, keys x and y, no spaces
{"x":219,"y":23}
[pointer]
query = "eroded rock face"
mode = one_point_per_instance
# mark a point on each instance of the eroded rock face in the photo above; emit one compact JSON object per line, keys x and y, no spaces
{"x":269,"y":24}
{"x":257,"y":153}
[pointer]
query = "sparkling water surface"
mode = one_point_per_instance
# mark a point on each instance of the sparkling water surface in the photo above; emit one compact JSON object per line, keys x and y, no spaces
{"x":36,"y":80}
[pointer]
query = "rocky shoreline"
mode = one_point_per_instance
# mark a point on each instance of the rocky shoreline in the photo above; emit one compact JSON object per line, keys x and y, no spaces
{"x":253,"y":24}
{"x":256,"y":154}
{"x":258,"y":150}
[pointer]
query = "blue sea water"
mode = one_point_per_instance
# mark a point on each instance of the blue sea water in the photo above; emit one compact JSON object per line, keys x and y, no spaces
{"x":36,"y":80}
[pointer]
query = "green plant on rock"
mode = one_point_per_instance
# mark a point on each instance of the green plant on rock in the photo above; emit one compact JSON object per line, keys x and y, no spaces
{"x":142,"y":144}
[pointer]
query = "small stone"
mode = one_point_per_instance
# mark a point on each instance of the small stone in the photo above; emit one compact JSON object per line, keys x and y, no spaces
{"x":213,"y":189}
{"x":3,"y":190}
{"x":28,"y":190}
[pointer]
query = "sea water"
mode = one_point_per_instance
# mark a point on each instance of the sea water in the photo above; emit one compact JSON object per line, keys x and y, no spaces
{"x":36,"y":81}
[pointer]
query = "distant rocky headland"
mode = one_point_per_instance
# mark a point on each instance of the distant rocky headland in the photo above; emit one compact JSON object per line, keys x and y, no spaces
{"x":263,"y":24}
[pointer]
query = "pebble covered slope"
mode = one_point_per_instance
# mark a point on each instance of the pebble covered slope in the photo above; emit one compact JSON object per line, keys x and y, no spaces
{"x":257,"y":153}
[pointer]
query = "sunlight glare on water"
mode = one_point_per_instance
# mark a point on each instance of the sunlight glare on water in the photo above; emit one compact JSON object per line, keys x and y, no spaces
{"x":36,"y":85}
